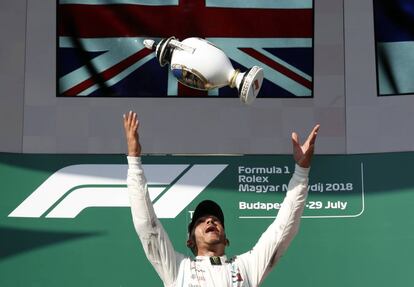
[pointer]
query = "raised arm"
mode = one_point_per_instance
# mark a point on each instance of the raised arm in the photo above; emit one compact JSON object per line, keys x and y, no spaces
{"x":131,"y":125}
{"x":154,"y":239}
{"x":276,"y":239}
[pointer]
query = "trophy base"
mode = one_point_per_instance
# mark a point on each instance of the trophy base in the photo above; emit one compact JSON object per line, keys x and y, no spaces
{"x":250,"y":85}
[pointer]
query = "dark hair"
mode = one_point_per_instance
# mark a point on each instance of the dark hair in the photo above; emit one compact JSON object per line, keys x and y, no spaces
{"x":191,"y":242}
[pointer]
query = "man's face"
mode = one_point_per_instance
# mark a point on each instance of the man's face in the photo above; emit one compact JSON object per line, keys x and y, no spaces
{"x":209,"y":231}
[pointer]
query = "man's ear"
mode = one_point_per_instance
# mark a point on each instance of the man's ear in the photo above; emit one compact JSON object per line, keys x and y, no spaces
{"x":227,"y":242}
{"x":190,"y":243}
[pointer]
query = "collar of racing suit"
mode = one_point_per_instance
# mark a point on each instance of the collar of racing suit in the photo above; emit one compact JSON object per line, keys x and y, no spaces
{"x":213,"y":260}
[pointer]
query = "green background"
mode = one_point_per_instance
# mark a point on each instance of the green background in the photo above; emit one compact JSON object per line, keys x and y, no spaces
{"x":100,"y":248}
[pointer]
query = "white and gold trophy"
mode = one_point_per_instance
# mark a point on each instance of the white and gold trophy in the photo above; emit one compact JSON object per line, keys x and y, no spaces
{"x":201,"y":65}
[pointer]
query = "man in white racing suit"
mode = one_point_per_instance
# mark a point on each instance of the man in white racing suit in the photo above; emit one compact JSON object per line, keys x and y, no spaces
{"x":207,"y":238}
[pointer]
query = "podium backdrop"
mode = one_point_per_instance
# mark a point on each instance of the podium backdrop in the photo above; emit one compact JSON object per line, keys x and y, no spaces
{"x":65,"y":220}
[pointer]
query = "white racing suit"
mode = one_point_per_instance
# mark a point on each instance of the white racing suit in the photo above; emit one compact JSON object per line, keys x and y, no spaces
{"x":245,"y":270}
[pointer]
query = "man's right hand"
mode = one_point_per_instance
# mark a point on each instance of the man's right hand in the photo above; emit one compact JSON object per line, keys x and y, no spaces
{"x":131,"y":125}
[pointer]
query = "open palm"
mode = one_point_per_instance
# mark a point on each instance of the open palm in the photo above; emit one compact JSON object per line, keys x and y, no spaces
{"x":131,"y":125}
{"x":303,"y":153}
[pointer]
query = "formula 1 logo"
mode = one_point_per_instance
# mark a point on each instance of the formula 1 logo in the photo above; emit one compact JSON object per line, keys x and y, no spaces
{"x":72,"y":189}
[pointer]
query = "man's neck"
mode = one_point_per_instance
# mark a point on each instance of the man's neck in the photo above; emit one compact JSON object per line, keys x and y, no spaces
{"x":209,"y":253}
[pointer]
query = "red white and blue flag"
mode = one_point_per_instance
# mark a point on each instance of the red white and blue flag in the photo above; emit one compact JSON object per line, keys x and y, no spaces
{"x":394,"y":34}
{"x":101,"y":52}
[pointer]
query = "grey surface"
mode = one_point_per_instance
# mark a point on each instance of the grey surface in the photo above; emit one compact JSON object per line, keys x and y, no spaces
{"x":12,"y":56}
{"x":93,"y":125}
{"x":344,"y":63}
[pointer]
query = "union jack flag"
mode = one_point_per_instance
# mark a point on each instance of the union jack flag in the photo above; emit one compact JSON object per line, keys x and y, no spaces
{"x":394,"y":33}
{"x":101,"y":52}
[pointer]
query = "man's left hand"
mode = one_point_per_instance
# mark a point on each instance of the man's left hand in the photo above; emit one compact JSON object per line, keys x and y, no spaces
{"x":303,"y":153}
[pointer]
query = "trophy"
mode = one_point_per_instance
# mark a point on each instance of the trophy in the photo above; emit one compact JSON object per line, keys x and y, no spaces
{"x":201,"y":65}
